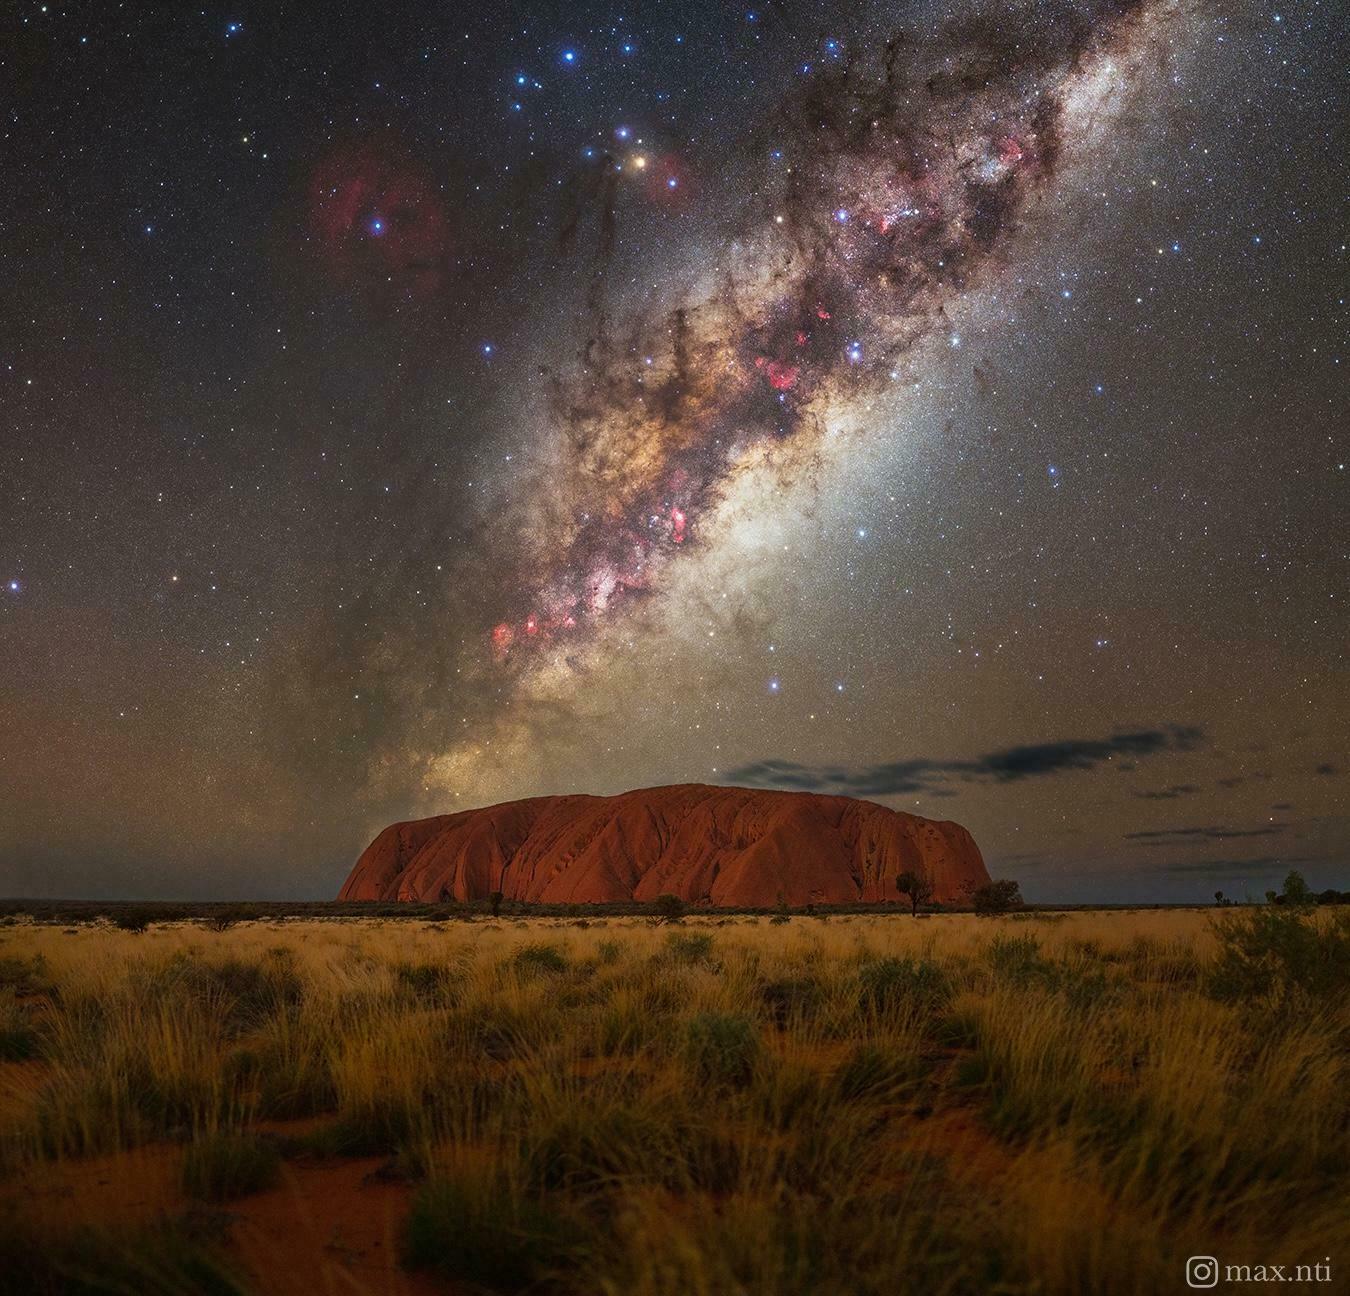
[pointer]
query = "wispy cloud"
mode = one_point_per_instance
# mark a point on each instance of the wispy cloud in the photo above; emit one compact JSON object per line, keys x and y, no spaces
{"x":1205,"y":832}
{"x":1005,"y":765}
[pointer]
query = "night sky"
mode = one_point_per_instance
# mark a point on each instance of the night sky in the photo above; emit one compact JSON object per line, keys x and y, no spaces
{"x":411,"y":407}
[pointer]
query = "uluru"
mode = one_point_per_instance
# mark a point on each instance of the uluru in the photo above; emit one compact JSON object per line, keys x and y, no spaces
{"x":720,"y":846}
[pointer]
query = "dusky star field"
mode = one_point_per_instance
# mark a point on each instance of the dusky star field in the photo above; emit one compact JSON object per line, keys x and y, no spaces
{"x":409,"y":407}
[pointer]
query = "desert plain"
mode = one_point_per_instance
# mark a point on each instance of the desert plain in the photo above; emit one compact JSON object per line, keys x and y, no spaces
{"x":694,"y":1106}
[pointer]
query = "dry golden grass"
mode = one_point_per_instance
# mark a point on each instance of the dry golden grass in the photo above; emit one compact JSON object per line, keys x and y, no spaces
{"x":1039,"y":1103}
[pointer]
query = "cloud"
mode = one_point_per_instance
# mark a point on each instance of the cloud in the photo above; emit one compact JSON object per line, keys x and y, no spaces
{"x":1006,"y":765}
{"x":1208,"y":832}
{"x":1230,"y":867}
{"x":1169,"y":793}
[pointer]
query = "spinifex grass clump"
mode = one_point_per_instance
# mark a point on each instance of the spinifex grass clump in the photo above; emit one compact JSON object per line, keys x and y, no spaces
{"x":224,"y":1165}
{"x":720,"y":1106}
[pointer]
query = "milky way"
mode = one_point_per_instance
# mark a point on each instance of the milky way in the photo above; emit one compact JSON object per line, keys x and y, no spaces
{"x":410,"y":408}
{"x":906,"y":178}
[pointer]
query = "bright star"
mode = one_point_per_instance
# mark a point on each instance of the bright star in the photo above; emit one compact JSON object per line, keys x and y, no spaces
{"x":569,"y":56}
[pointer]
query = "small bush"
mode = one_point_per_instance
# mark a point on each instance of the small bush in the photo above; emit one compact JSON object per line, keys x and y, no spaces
{"x":180,"y":1257}
{"x":430,"y":983}
{"x":689,"y":947}
{"x":221,"y":920}
{"x":538,"y":958}
{"x":1017,"y":958}
{"x":24,"y":976}
{"x":889,"y":982}
{"x":18,"y":1039}
{"x":875,"y":1073}
{"x":790,"y":999}
{"x":479,"y":1229}
{"x":1280,"y":953}
{"x":721,"y":1049}
{"x":223,"y":1166}
{"x":608,"y":952}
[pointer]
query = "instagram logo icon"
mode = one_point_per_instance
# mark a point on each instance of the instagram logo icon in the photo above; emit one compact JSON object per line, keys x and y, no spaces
{"x":1202,"y":1271}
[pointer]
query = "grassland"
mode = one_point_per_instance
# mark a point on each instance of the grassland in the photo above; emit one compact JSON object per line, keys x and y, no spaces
{"x":825,"y":1105}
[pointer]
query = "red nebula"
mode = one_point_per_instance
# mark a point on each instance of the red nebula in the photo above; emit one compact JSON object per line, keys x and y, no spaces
{"x":668,"y":181}
{"x":781,"y":376}
{"x":677,"y":525}
{"x":376,"y":213}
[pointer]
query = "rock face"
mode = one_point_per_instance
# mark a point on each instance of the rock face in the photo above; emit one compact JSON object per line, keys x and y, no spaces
{"x":708,"y":845}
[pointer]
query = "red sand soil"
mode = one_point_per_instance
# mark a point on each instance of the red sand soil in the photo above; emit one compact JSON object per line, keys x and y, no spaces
{"x":329,"y":1228}
{"x":743,"y":847}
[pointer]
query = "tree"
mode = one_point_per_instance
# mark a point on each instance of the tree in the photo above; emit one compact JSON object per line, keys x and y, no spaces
{"x":917,"y":888}
{"x":1218,"y":897}
{"x":132,"y":919}
{"x":670,"y":907}
{"x":997,"y":897}
{"x":1296,"y":890}
{"x":495,"y":900}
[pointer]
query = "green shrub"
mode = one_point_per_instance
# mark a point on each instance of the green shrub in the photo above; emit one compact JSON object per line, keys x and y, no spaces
{"x":876,"y":1073}
{"x":181,"y":1257}
{"x":1281,"y":953}
{"x":18,"y":1039}
{"x":790,"y":999}
{"x":244,"y":994}
{"x":689,"y":947}
{"x":24,"y":976}
{"x":721,"y":1049}
{"x":1017,"y":958}
{"x":888,"y":983}
{"x":434,"y":984}
{"x":481,"y":1230}
{"x":538,"y":958}
{"x":223,"y":1166}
